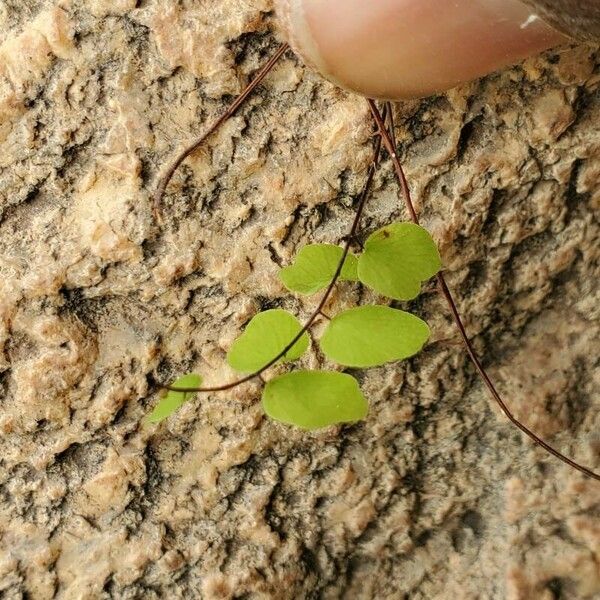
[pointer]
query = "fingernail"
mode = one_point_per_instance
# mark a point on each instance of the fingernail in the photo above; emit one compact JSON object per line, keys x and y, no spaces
{"x":410,"y":48}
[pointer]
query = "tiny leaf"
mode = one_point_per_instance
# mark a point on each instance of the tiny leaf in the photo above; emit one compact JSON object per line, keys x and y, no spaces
{"x":369,"y":336}
{"x":267,"y":334}
{"x":314,"y":399}
{"x":315,"y":267}
{"x":173,"y":400}
{"x":397,"y":258}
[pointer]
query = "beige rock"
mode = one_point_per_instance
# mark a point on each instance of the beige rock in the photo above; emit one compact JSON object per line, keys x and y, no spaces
{"x":435,"y":496}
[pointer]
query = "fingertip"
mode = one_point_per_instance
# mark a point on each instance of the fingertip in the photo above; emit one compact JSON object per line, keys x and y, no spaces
{"x":398,"y":49}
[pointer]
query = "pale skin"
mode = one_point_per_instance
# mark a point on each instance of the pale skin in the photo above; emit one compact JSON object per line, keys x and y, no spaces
{"x":399,"y":49}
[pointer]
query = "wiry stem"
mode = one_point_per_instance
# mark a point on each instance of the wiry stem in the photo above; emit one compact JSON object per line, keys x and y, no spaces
{"x":325,"y":298}
{"x":231,"y":110}
{"x":390,"y":146}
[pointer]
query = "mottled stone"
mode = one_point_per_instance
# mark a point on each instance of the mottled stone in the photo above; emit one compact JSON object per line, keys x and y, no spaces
{"x":435,"y":495}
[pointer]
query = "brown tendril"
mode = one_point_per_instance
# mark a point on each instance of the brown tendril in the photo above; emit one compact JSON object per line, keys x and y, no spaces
{"x":231,"y":110}
{"x":348,"y":241}
{"x":390,"y":147}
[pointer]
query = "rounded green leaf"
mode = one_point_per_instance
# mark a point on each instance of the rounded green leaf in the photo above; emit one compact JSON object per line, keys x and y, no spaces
{"x":397,"y":258}
{"x":314,"y":399}
{"x":267,"y":334}
{"x":315,"y":267}
{"x":369,"y":336}
{"x":173,"y":400}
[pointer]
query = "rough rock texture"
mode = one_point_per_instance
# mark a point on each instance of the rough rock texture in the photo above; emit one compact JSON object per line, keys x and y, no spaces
{"x":435,"y":496}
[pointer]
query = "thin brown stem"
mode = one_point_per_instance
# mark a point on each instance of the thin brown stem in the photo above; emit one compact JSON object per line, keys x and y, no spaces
{"x":391,"y":125}
{"x":231,"y":110}
{"x":445,"y":291}
{"x":325,"y":298}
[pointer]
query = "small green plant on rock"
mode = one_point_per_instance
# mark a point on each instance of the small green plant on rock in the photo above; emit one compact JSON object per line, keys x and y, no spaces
{"x":395,"y":261}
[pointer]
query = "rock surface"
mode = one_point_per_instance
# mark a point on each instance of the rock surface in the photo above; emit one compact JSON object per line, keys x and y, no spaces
{"x":435,"y":496}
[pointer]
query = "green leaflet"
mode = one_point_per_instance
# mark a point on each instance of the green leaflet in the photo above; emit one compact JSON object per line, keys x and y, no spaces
{"x":315,"y":267}
{"x":369,"y":336}
{"x":267,"y":334}
{"x":173,"y":400}
{"x":314,"y":399}
{"x":397,"y":258}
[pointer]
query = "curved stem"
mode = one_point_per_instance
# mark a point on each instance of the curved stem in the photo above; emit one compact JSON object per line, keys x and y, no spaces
{"x":445,"y":291}
{"x":319,"y":309}
{"x":231,"y":110}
